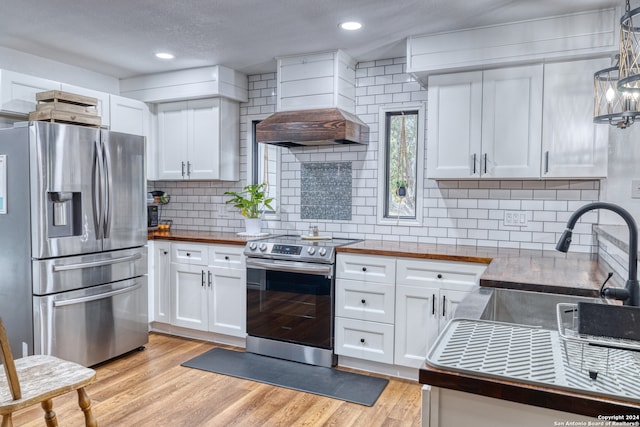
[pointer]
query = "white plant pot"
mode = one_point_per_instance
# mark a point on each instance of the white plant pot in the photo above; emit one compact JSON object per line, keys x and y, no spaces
{"x":253,"y":225}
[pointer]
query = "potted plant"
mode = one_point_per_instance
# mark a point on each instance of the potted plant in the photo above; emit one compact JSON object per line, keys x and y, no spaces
{"x":401,"y":188}
{"x":251,"y":201}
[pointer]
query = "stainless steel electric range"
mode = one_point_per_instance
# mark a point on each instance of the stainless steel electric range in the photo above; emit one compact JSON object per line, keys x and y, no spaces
{"x":290,"y":298}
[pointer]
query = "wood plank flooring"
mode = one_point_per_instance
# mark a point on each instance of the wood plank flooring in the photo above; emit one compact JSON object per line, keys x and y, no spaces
{"x":150,"y":388}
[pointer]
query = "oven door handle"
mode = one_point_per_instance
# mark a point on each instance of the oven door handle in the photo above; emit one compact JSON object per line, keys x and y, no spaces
{"x":291,"y":267}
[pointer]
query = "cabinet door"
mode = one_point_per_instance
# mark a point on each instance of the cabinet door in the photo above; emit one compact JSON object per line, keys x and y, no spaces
{"x":416,"y":324}
{"x":203,"y":139}
{"x":449,"y":300}
{"x":18,"y":91}
{"x":572,"y":145}
{"x":129,"y":116}
{"x":172,"y":140}
{"x":102,"y":97}
{"x":511,"y":122}
{"x":454,"y":120}
{"x":228,"y":311}
{"x":162,"y":282}
{"x":189,"y":296}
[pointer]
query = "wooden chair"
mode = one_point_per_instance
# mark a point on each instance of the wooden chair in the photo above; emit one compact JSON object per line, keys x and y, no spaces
{"x":38,"y":379}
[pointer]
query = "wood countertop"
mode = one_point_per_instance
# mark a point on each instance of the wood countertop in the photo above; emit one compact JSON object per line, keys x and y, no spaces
{"x":526,"y":270}
{"x":207,"y":237}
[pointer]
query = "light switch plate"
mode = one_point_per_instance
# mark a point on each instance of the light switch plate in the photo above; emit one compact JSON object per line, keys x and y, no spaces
{"x":635,"y":188}
{"x":515,"y":219}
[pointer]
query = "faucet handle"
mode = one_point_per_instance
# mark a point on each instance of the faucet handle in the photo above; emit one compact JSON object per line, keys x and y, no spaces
{"x":609,"y":276}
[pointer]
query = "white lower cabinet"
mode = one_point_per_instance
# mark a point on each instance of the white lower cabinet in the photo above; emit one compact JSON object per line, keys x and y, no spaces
{"x":364,"y":340}
{"x":206,"y":294}
{"x":391,"y":310}
{"x":161,"y":281}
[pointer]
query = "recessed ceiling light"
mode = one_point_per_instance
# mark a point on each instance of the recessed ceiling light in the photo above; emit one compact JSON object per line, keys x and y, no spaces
{"x":351,"y":26}
{"x":164,"y":55}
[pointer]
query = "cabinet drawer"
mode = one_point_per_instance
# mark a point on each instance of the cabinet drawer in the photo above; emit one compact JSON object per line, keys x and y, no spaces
{"x":227,"y":256}
{"x":365,"y":301}
{"x":189,"y":254}
{"x":366,"y":268}
{"x":455,"y":275}
{"x":364,"y":340}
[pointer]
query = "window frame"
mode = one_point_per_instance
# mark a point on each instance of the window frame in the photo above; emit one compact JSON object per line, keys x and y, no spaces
{"x":252,"y":166}
{"x":383,"y":169}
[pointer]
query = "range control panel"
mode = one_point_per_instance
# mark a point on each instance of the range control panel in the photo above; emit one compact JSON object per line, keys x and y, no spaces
{"x":311,"y":252}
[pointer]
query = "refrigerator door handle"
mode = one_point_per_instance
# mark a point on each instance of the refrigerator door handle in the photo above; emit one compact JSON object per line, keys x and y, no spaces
{"x":98,"y":190}
{"x":57,"y":268}
{"x":72,"y":301}
{"x":108,"y":192}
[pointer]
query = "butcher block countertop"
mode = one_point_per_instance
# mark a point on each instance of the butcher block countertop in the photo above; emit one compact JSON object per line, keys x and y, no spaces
{"x":526,"y":270}
{"x":207,"y":237}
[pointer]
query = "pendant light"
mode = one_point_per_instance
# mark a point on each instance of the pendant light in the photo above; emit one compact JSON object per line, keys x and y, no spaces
{"x":611,"y":105}
{"x":617,"y":88}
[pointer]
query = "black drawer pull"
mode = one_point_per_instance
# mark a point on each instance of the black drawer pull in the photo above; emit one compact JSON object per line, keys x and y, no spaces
{"x":439,"y":276}
{"x":364,"y":268}
{"x":226,"y":257}
{"x":188,"y":254}
{"x":362,"y":340}
{"x":164,"y":252}
{"x":364,"y":301}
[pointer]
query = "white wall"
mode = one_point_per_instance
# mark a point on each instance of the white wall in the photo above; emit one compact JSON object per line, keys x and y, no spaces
{"x":454,"y":212}
{"x":624,"y":166}
{"x":41,"y":67}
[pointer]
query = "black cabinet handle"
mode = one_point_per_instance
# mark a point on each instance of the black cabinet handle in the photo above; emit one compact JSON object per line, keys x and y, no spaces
{"x":209,"y":277}
{"x":188,"y":254}
{"x":439,"y":276}
{"x":433,"y":304}
{"x":364,"y":268}
{"x":226,"y":257}
{"x":444,"y":305}
{"x":362,"y":340}
{"x":202,"y":278}
{"x":164,"y":252}
{"x":364,"y":301}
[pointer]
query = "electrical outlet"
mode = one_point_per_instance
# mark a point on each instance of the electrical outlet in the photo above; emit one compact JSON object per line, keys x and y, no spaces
{"x":515,"y":219}
{"x":635,"y":189}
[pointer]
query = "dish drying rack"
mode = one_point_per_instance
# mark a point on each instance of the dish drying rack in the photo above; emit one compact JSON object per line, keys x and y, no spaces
{"x":594,"y":354}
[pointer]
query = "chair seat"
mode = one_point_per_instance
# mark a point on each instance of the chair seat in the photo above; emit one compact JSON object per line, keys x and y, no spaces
{"x":42,"y":378}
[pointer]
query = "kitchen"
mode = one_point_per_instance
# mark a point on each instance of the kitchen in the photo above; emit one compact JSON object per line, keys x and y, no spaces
{"x":462,"y":212}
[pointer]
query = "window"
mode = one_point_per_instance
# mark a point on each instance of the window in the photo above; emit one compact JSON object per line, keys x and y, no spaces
{"x":264,"y":167}
{"x":401,"y":144}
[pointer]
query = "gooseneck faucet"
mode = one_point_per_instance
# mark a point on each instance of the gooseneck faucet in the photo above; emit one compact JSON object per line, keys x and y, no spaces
{"x":630,"y":294}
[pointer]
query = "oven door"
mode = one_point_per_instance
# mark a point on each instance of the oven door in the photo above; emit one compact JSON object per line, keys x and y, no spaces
{"x":290,"y":301}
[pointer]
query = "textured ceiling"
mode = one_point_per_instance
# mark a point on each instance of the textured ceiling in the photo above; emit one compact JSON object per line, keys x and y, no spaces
{"x":119,"y":37}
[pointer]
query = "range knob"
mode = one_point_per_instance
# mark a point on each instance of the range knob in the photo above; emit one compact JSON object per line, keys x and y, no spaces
{"x":322,"y":251}
{"x":311,"y":250}
{"x":253,"y":246}
{"x":263,"y":247}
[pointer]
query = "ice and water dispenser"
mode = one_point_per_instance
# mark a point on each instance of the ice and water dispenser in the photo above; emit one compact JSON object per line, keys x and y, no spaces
{"x":64,"y":214}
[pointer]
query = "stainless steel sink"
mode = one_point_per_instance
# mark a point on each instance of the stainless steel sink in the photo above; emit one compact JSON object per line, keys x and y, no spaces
{"x":527,"y":308}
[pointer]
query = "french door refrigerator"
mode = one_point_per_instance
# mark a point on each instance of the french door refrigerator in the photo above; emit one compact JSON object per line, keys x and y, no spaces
{"x":73,"y":260}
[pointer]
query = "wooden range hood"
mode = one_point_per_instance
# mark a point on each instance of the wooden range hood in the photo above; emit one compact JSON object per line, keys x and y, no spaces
{"x":329,"y":126}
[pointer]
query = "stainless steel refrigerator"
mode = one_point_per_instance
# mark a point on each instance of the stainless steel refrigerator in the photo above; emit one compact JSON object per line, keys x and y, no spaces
{"x":73,"y":263}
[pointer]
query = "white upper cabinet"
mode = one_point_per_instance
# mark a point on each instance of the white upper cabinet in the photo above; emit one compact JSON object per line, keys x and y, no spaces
{"x":485,"y":124}
{"x":129,"y":116}
{"x":102,"y":97}
{"x":18,"y":92}
{"x":198,"y":139}
{"x":572,"y":145}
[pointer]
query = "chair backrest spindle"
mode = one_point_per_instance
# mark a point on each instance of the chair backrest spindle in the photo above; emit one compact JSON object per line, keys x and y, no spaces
{"x":9,"y":366}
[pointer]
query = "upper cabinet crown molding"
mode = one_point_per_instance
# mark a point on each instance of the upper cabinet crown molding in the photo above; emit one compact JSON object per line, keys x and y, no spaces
{"x":204,"y":82}
{"x":564,"y":37}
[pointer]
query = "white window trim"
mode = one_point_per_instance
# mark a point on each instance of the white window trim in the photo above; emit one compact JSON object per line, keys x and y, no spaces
{"x":249,"y":132}
{"x":421,"y":108}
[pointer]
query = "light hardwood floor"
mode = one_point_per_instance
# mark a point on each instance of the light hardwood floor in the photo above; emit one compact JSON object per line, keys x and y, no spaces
{"x":150,"y":388}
